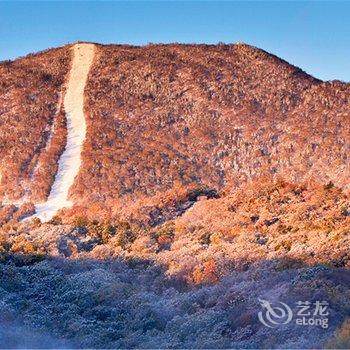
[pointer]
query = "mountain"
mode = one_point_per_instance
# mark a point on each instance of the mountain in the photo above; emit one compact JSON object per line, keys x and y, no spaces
{"x":161,"y":117}
{"x":167,"y":196}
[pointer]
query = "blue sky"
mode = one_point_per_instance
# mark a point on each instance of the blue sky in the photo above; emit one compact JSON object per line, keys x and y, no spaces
{"x":312,"y":35}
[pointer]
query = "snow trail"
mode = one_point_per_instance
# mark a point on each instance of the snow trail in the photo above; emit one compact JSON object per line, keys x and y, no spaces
{"x":70,"y":160}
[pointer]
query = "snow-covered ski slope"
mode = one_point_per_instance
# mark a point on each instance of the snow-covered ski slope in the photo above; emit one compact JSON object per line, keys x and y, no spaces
{"x":70,"y":160}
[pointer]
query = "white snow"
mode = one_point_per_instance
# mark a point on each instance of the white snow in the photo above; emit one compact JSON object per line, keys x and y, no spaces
{"x":70,"y":160}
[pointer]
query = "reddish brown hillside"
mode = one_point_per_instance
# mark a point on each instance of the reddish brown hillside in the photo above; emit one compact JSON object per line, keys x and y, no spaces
{"x":207,"y":115}
{"x":169,"y":119}
{"x":30,"y":90}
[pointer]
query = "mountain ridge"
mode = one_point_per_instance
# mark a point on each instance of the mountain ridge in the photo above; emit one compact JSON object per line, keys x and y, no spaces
{"x":239,"y":43}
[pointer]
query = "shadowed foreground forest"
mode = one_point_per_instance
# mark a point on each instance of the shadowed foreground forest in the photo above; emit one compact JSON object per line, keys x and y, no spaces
{"x":55,"y":303}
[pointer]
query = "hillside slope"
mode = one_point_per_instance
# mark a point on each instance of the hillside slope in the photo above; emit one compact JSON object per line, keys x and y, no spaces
{"x":211,"y":116}
{"x":31,"y":117}
{"x":166,"y":117}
